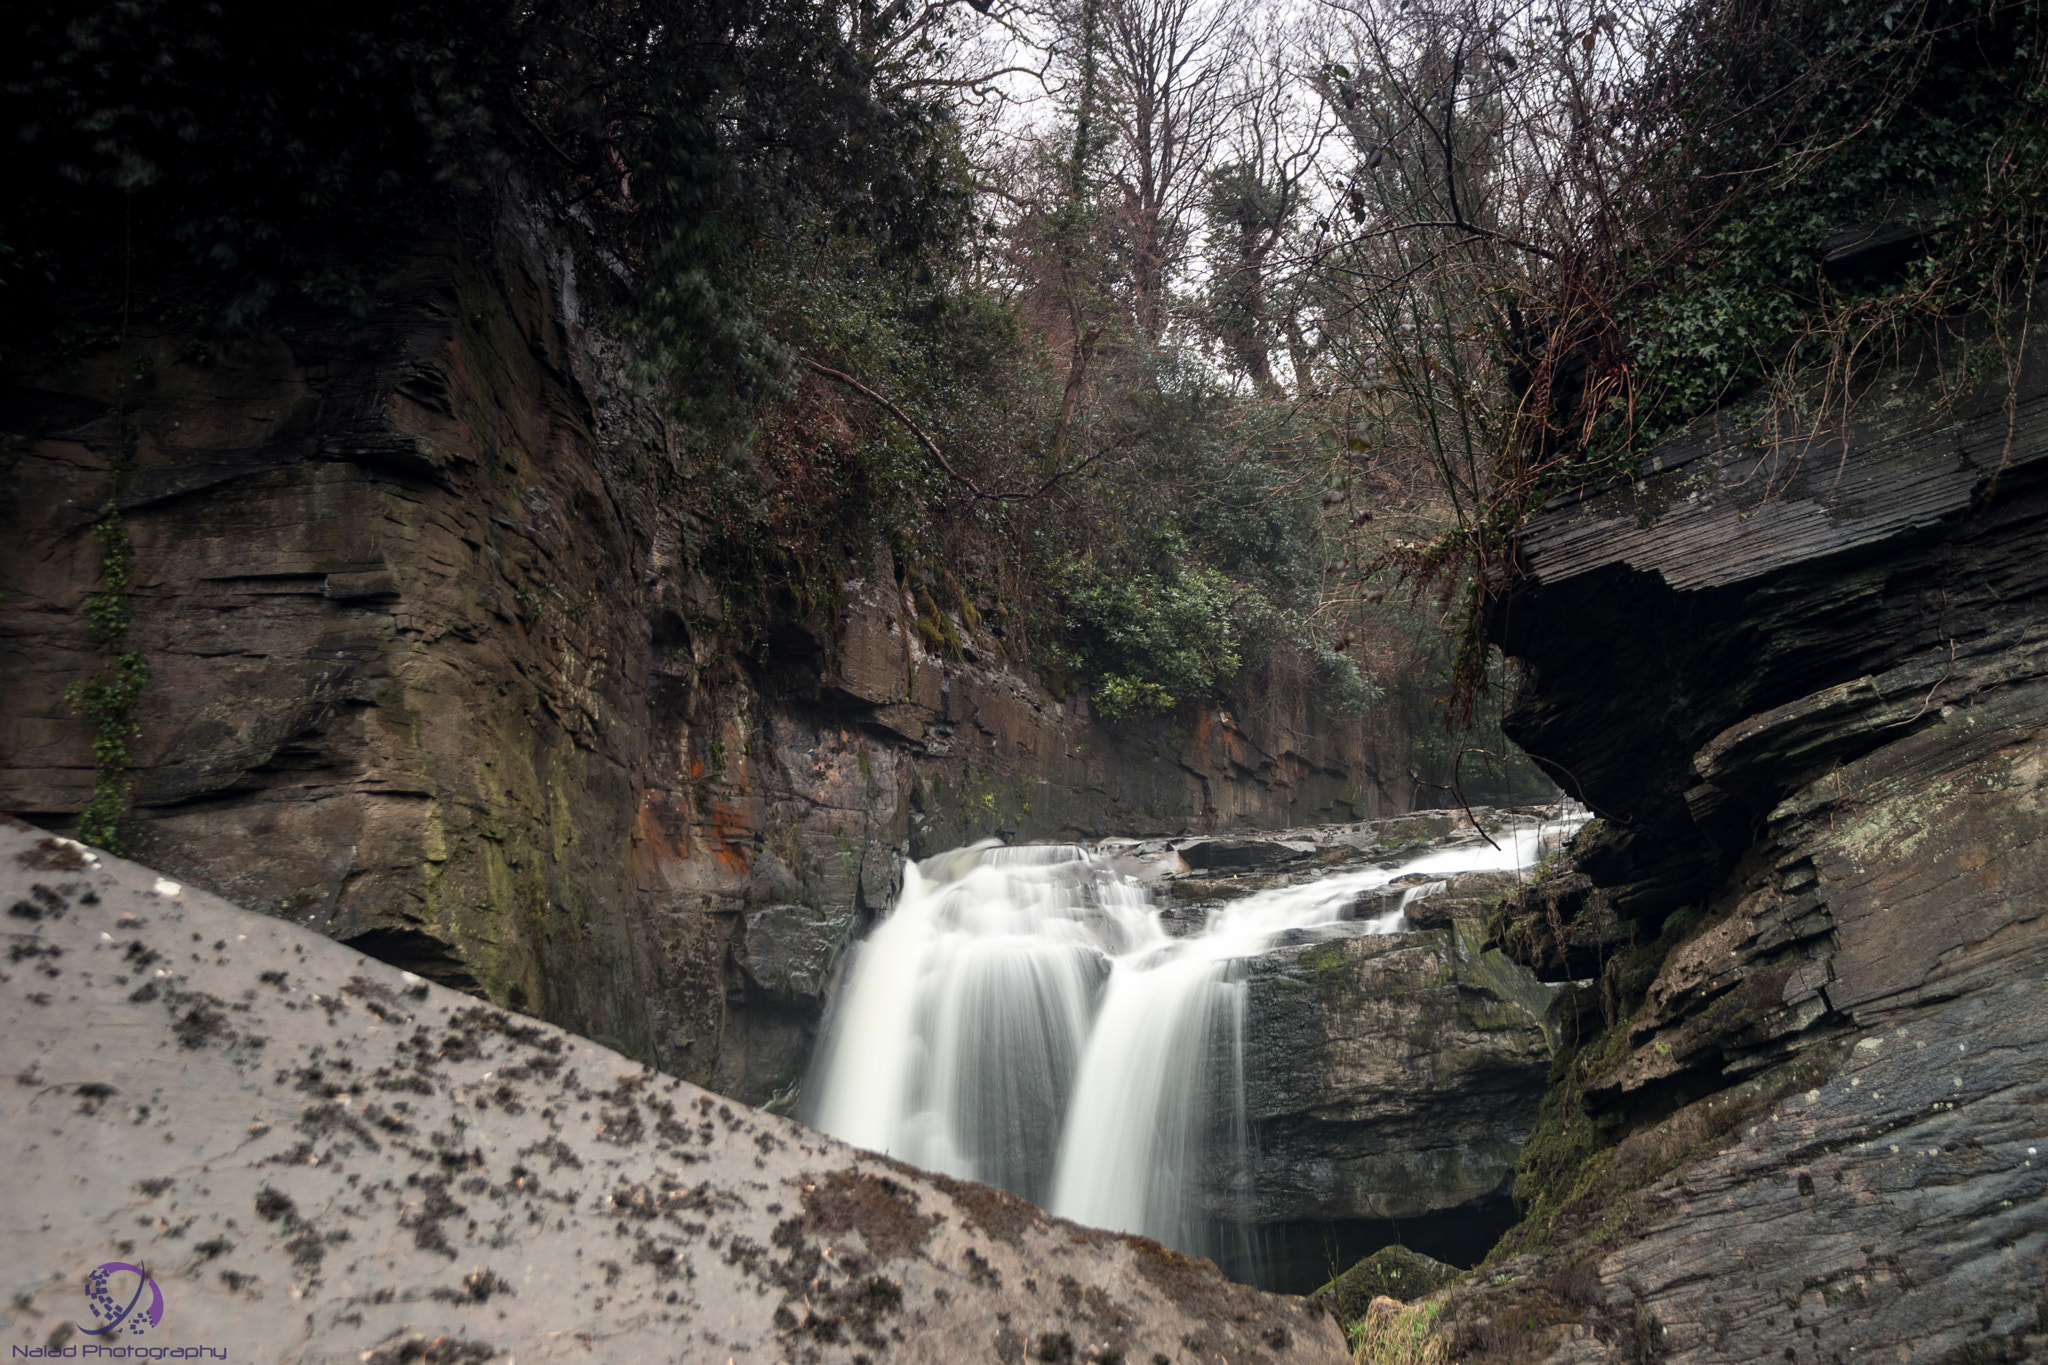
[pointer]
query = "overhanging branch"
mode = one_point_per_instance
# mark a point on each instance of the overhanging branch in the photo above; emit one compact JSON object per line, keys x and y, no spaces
{"x":840,"y":376}
{"x":900,"y":415}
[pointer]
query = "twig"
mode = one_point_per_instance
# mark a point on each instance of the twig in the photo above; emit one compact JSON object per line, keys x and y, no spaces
{"x":2014,"y":361}
{"x":1445,"y":142}
{"x":1456,"y":788}
{"x":930,"y":445}
{"x":1929,"y":700}
{"x":900,"y":415}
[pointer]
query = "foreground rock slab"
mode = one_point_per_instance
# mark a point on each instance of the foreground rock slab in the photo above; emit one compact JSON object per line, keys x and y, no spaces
{"x":319,"y":1158}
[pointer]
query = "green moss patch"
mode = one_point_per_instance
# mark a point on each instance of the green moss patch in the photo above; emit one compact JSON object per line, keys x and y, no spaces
{"x":1391,"y":1272}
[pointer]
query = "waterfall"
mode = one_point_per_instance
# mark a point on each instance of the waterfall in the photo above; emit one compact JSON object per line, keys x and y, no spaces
{"x":955,"y":1041}
{"x":1022,"y":1017}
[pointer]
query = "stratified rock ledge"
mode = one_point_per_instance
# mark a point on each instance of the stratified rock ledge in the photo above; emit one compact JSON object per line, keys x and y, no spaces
{"x":1805,"y":687}
{"x":321,"y":1158}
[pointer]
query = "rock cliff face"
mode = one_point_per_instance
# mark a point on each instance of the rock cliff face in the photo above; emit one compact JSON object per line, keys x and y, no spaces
{"x":317,"y":1157}
{"x":1389,"y":1080}
{"x":435,"y":671}
{"x":1806,"y":686}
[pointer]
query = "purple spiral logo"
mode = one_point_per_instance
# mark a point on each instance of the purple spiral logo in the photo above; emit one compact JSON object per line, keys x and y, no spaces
{"x":103,"y":1291}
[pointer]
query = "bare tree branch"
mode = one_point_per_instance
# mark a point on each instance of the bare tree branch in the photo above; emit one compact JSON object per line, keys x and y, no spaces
{"x":932,"y":447}
{"x":900,"y":415}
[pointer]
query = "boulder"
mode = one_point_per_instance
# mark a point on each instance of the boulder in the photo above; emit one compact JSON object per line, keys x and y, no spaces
{"x":318,"y":1157}
{"x":1468,"y":899}
{"x":1392,"y":1272}
{"x":1390,"y":1076}
{"x":1223,"y":855}
{"x":1191,"y":889}
{"x":787,"y":951}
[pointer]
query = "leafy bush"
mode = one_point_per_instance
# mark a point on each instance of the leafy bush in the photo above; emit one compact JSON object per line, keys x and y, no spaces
{"x":261,"y":154}
{"x":1153,"y":637}
{"x":1347,"y":689}
{"x":1923,"y":120}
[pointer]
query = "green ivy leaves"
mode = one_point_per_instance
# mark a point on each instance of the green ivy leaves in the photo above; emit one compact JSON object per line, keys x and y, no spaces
{"x":109,"y":700}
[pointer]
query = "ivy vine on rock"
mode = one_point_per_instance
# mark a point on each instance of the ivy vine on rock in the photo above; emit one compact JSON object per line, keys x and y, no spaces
{"x":109,"y":700}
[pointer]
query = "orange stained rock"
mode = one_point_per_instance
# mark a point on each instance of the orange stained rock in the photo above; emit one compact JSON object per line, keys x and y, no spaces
{"x":666,"y":839}
{"x":729,"y":838}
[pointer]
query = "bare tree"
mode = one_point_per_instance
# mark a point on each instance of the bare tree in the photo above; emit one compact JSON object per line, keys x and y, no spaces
{"x":1164,"y":64}
{"x":1255,"y":202}
{"x":965,"y":49}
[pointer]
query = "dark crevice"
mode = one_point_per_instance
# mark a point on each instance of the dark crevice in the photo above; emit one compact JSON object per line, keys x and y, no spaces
{"x":1298,"y":1256}
{"x":421,"y":954}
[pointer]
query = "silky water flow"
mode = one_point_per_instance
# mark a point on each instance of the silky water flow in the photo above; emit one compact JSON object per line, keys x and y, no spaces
{"x":1022,"y":1017}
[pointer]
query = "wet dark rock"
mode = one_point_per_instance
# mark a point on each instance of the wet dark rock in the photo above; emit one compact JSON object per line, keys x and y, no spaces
{"x":1389,"y":1076}
{"x":788,"y":950}
{"x":1205,"y":889}
{"x":1470,"y":898}
{"x":1185,"y":921}
{"x":359,"y":1165}
{"x":1208,"y":855}
{"x":1810,"y":698}
{"x":1314,"y":852}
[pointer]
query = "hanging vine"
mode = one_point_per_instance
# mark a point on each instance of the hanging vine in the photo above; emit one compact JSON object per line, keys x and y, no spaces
{"x":108,"y":700}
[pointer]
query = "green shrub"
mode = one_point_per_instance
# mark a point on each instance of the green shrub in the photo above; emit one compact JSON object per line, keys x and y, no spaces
{"x":1154,"y":637}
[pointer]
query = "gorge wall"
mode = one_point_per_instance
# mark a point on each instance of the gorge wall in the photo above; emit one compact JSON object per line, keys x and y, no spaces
{"x":1805,"y":687}
{"x":435,"y":670}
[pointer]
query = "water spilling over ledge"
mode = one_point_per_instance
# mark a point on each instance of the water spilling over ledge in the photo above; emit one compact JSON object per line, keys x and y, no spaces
{"x":1038,"y":1018}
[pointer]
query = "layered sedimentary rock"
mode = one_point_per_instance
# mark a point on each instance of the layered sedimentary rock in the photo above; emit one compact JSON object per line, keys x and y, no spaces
{"x":434,"y":669}
{"x":317,"y":1157}
{"x":1806,"y":686}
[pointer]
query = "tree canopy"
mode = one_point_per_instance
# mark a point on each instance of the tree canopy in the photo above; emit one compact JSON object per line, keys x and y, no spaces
{"x":1172,"y":347}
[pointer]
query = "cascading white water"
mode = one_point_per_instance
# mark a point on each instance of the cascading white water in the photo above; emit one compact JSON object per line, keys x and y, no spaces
{"x":1022,"y":1017}
{"x":956,"y":1039}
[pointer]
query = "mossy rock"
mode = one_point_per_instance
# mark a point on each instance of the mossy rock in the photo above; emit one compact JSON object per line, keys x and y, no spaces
{"x":1393,"y":1272}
